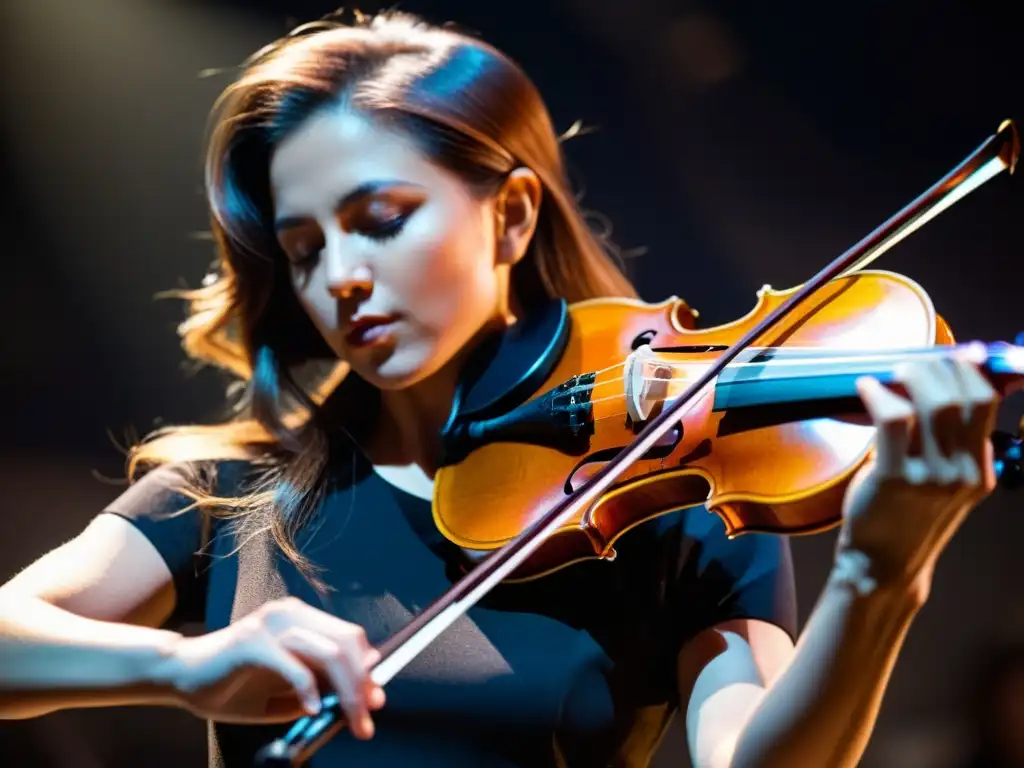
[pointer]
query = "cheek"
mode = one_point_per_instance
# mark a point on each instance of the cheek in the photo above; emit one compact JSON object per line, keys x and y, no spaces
{"x":448,"y":274}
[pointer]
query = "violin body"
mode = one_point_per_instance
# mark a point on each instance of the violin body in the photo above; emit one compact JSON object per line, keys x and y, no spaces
{"x":773,"y":457}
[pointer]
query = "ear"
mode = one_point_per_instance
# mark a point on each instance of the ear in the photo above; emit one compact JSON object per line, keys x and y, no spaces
{"x":516,"y":209}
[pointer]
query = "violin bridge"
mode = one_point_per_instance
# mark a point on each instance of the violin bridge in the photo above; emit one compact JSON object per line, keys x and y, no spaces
{"x":646,"y":383}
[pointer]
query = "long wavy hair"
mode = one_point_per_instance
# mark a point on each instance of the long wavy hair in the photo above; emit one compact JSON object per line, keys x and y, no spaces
{"x":471,"y":110}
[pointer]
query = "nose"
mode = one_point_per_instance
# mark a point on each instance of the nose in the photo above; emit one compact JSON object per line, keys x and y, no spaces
{"x":347,"y":280}
{"x":356,"y":285}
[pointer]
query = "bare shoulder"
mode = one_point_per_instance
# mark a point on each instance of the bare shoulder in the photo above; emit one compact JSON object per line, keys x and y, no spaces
{"x":110,"y":572}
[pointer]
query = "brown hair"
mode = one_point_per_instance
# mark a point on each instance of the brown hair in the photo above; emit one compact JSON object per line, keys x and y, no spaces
{"x":470,"y":109}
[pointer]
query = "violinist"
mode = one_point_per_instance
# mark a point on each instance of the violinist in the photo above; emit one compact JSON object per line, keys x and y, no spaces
{"x":386,"y":195}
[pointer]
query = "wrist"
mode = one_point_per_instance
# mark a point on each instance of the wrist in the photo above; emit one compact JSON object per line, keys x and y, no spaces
{"x":874,"y":578}
{"x":164,"y":669}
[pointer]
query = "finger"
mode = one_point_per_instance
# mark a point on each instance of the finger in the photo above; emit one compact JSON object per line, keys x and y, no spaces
{"x":940,"y":392}
{"x":893,"y":417}
{"x":980,"y":409}
{"x":358,"y":689}
{"x":354,"y":637}
{"x":375,"y":697}
{"x":981,"y":400}
{"x":350,"y":660}
{"x":935,"y":394}
{"x":372,"y":657}
{"x":302,"y":680}
{"x":333,"y":660}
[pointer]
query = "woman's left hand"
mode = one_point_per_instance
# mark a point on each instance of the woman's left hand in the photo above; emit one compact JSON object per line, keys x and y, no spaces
{"x":933,"y":463}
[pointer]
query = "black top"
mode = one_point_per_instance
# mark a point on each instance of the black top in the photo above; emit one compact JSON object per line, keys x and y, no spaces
{"x":565,"y":670}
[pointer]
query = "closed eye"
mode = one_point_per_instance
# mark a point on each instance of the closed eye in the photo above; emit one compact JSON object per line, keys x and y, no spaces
{"x":385,"y":230}
{"x":381,"y":219}
{"x":378,"y":211}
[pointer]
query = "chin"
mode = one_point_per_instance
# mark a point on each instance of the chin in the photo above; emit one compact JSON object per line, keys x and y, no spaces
{"x":398,"y":368}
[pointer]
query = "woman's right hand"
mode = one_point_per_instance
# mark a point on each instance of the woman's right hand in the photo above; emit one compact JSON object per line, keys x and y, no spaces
{"x":274,"y":665}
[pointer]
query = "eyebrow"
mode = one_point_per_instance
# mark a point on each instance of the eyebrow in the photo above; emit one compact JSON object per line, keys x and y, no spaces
{"x":365,"y":189}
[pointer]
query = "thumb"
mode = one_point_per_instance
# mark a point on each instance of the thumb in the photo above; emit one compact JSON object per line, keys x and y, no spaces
{"x":297,"y":674}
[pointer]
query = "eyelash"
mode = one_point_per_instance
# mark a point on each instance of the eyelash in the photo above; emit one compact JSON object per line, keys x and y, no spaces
{"x":381,"y":233}
{"x":388,"y":229}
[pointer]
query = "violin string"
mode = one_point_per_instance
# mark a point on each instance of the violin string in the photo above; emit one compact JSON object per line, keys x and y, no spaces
{"x":798,"y":359}
{"x":803,"y":357}
{"x":868,"y":356}
{"x":620,"y":414}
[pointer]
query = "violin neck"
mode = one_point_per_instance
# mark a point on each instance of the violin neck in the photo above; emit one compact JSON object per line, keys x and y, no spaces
{"x":781,"y":385}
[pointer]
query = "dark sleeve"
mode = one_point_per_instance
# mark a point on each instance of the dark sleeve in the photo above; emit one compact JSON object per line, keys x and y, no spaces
{"x":719,"y":579}
{"x":156,"y":506}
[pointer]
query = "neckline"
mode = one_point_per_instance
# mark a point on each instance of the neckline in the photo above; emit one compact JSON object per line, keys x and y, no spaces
{"x":421,"y":488}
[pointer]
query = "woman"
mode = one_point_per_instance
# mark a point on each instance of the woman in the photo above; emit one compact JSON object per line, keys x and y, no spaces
{"x":386,"y":197}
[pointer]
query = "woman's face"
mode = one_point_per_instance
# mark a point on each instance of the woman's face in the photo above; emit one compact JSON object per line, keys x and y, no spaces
{"x":396,"y":261}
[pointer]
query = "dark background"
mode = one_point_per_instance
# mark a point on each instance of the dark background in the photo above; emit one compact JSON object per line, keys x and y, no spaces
{"x":738,"y":143}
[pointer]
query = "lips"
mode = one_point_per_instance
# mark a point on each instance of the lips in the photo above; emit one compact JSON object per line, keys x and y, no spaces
{"x":369,"y":329}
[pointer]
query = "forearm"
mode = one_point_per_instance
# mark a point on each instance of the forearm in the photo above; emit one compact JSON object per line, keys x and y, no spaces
{"x":51,"y":659}
{"x":822,"y":709}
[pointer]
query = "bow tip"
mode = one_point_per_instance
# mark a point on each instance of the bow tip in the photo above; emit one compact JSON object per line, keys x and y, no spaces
{"x":1011,"y":148}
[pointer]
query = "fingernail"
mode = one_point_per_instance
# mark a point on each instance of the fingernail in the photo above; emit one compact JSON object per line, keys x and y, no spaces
{"x":313,"y":706}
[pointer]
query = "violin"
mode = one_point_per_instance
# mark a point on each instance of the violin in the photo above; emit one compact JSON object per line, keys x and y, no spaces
{"x":585,"y":421}
{"x":790,"y":397}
